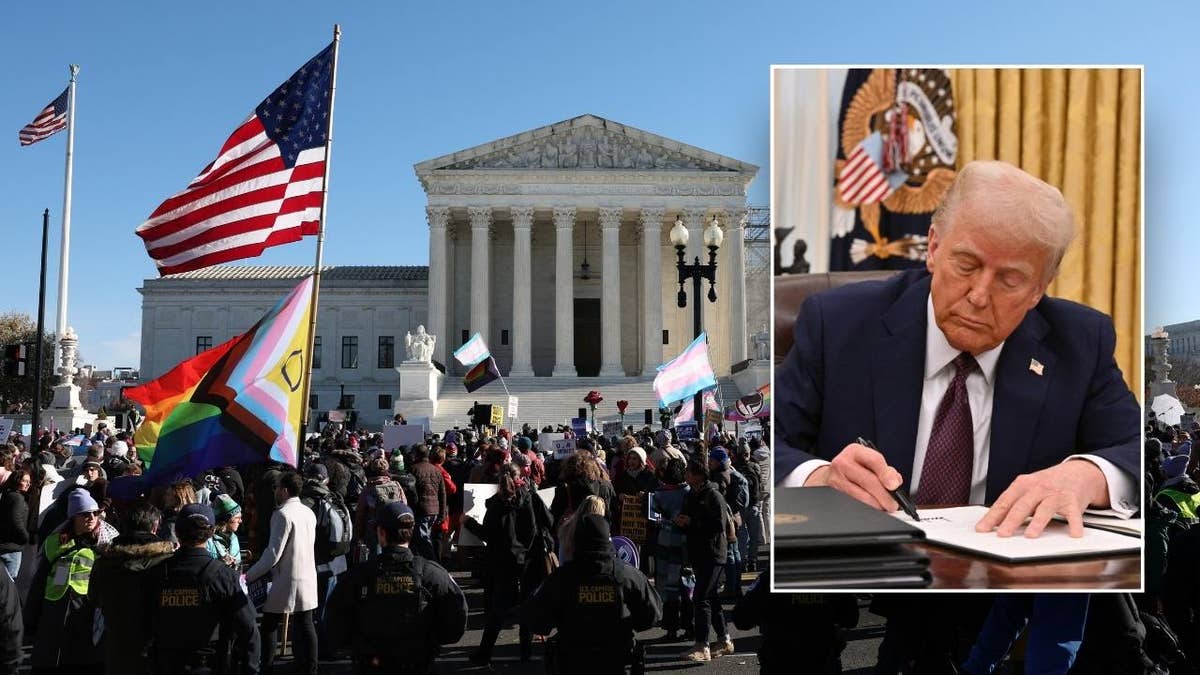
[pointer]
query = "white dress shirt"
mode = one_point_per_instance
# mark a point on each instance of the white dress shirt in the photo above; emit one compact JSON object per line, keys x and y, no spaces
{"x":981,"y":385}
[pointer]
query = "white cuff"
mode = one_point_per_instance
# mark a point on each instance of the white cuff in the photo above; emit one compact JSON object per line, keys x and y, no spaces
{"x":800,"y":474}
{"x":1122,"y":491}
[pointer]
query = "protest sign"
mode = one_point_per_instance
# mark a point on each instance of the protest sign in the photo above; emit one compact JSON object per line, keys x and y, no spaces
{"x":627,"y":551}
{"x":611,"y":427}
{"x":633,"y":518}
{"x":581,"y":426}
{"x":545,"y":441}
{"x":6,"y":427}
{"x":512,"y":407}
{"x":402,"y":435}
{"x":475,"y":496}
{"x":564,"y":448}
{"x":687,"y":431}
{"x":497,"y":416}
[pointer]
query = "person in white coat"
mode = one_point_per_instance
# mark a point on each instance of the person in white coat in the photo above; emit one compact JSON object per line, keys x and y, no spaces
{"x":288,"y":557}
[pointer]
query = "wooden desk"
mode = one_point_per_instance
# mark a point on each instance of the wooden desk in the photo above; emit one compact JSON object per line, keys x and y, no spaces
{"x":957,"y":570}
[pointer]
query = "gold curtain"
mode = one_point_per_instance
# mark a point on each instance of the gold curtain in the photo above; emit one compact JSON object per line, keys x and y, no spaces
{"x":1079,"y":130}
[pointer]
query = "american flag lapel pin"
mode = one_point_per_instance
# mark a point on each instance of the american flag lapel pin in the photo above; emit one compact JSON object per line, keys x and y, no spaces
{"x":1036,"y":366}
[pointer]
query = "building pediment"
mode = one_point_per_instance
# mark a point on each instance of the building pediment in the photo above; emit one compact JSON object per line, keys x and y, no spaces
{"x":585,"y":143}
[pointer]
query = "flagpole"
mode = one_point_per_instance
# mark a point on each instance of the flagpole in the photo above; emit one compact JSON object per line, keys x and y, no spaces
{"x":64,"y":258}
{"x":312,"y":307}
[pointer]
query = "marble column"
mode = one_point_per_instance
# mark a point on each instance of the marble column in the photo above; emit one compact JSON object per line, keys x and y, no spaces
{"x":652,"y":289}
{"x":735,"y":239}
{"x":522,"y":334}
{"x":564,"y":292}
{"x":439,"y":218}
{"x":610,"y":292}
{"x":481,"y":222}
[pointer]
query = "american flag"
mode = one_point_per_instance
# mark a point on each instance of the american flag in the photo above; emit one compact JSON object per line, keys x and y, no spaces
{"x":263,"y":189}
{"x":862,"y":180}
{"x":51,"y":120}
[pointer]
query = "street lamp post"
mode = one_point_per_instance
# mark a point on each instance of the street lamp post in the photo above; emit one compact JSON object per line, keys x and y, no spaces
{"x":697,"y":271}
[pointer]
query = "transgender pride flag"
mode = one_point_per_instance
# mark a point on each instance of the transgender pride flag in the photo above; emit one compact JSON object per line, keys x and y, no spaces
{"x":686,"y":374}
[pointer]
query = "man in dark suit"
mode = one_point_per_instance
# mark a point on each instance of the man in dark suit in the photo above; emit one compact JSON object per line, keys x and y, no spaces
{"x":975,"y":386}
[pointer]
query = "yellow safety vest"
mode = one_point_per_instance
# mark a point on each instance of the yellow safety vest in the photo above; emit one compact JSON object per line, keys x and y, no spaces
{"x":69,"y":568}
{"x":1189,"y":505}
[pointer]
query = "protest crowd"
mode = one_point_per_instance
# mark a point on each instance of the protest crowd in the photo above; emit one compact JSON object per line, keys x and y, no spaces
{"x":350,"y":555}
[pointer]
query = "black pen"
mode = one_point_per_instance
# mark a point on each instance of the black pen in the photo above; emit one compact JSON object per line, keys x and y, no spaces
{"x":899,"y":494}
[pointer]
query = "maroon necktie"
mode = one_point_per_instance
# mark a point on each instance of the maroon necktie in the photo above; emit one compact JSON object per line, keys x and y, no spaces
{"x":950,"y":457}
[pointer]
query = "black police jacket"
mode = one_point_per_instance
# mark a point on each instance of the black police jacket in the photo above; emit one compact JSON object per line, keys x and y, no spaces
{"x":194,"y":594}
{"x":397,"y":607}
{"x":575,"y":600}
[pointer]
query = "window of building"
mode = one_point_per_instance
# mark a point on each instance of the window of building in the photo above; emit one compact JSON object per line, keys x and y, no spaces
{"x":316,"y":356}
{"x":504,"y":337}
{"x":385,"y":401}
{"x":387,"y":351}
{"x":350,"y":351}
{"x":465,"y":336}
{"x":666,"y":337}
{"x":347,"y":402}
{"x":203,"y":343}
{"x":312,"y":402}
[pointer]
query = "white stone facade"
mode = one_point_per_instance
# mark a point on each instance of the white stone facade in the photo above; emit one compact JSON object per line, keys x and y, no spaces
{"x":184,"y":312}
{"x":517,"y":217}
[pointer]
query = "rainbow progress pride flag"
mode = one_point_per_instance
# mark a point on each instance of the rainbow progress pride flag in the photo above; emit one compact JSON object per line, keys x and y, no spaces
{"x":246,"y":408}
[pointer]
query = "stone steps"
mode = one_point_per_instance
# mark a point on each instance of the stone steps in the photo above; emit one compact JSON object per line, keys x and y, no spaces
{"x":549,"y":400}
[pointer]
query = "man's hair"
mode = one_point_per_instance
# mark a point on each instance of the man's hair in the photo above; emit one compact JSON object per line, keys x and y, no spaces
{"x":143,"y":517}
{"x":193,"y":529}
{"x":420,"y":452}
{"x":292,"y":482}
{"x":401,"y":533}
{"x":1018,"y":202}
{"x":698,"y":468}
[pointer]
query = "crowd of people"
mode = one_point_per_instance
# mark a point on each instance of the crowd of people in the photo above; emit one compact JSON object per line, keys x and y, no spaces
{"x":350,"y":552}
{"x":349,"y":555}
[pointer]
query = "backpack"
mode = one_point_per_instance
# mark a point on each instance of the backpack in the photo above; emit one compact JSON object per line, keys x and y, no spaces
{"x":382,"y":494}
{"x":335,"y":529}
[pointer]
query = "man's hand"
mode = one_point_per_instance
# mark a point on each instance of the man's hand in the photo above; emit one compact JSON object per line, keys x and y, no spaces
{"x":1065,"y":489}
{"x":862,"y":473}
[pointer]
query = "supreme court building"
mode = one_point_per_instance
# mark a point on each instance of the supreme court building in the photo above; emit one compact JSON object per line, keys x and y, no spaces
{"x":553,"y":244}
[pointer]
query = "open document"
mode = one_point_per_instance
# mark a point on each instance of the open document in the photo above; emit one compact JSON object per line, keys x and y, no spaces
{"x":955,"y":528}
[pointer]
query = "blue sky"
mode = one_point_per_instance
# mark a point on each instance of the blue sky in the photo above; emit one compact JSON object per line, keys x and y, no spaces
{"x":161,"y":89}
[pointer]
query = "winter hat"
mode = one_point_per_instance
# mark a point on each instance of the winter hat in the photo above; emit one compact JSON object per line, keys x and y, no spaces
{"x":316,"y":470}
{"x":641,"y":454}
{"x":80,"y":501}
{"x":503,"y":442}
{"x":523,"y":443}
{"x":520,"y":459}
{"x":377,"y":467}
{"x":1175,"y":466}
{"x":392,"y":513}
{"x":119,"y":449}
{"x":718,"y":454}
{"x":451,"y":448}
{"x":225,"y":508}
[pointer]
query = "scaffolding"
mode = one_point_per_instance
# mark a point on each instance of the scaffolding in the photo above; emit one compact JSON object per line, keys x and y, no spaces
{"x":757,"y":263}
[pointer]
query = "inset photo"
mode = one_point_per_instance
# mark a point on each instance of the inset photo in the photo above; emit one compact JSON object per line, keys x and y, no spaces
{"x":957,"y":328}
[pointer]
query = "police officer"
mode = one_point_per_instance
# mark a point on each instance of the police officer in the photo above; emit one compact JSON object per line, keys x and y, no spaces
{"x":396,"y":610}
{"x":597,"y":602}
{"x":195,"y":596}
{"x":808,"y":628}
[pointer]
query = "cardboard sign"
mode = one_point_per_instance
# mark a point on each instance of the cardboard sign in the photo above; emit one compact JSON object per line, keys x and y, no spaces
{"x":6,"y":427}
{"x":687,"y":431}
{"x":545,"y":442}
{"x":475,"y":495}
{"x":712,"y":417}
{"x":423,"y":422}
{"x":611,"y":427}
{"x":564,"y":448}
{"x":336,"y":416}
{"x":497,"y":415}
{"x":627,"y":551}
{"x":633,"y":518}
{"x":581,"y":426}
{"x":402,"y":435}
{"x":512,"y":407}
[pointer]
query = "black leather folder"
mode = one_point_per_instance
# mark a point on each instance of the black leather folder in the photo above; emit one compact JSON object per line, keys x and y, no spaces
{"x":821,"y":517}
